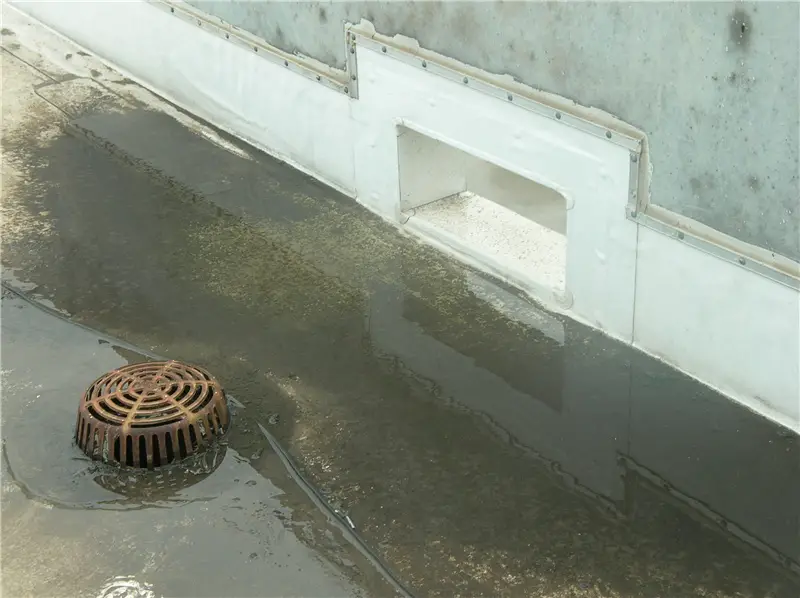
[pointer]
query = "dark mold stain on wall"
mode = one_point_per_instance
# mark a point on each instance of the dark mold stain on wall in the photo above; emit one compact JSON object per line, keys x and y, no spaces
{"x":702,"y":183}
{"x":740,"y":29}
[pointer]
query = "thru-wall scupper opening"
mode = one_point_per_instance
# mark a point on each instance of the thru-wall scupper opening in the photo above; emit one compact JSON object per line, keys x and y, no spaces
{"x":508,"y":224}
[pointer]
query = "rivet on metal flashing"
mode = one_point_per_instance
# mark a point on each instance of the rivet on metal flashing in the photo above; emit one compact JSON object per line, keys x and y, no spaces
{"x":466,"y":80}
{"x":510,"y":98}
{"x":742,"y":261}
{"x":227,"y":36}
{"x":634,"y":213}
{"x":383,"y":49}
{"x":255,"y":48}
{"x":558,"y":115}
{"x":172,"y":10}
{"x":608,"y":134}
{"x":346,"y":90}
{"x":352,"y":50}
{"x":353,"y":77}
{"x":285,"y":63}
{"x":634,"y":158}
{"x":424,"y":64}
{"x":199,"y":23}
{"x":319,"y":78}
{"x":680,"y":235}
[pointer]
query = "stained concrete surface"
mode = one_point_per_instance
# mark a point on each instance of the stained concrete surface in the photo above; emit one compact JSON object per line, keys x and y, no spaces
{"x":481,"y":445}
{"x":221,"y":524}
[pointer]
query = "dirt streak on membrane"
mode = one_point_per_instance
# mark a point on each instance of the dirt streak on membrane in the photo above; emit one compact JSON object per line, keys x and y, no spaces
{"x":280,"y":310}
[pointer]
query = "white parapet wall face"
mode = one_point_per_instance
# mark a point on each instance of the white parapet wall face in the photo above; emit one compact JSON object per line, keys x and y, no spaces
{"x":304,"y":123}
{"x":720,"y":322}
{"x":418,"y":148}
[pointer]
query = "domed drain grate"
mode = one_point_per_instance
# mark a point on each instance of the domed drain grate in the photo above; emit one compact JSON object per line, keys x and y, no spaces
{"x":150,"y":414}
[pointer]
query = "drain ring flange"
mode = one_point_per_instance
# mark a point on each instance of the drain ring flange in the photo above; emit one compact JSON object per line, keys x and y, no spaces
{"x":150,"y":414}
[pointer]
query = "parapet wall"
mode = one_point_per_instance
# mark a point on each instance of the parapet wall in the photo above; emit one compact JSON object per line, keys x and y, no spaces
{"x":664,"y":135}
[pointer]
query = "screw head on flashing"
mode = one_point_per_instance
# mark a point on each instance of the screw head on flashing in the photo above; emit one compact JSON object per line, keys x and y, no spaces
{"x":510,"y":98}
{"x":634,"y":158}
{"x":565,"y":299}
{"x":742,"y":261}
{"x":558,"y":115}
{"x":383,"y":49}
{"x":680,"y":235}
{"x":608,"y":134}
{"x":466,"y":80}
{"x":424,"y":64}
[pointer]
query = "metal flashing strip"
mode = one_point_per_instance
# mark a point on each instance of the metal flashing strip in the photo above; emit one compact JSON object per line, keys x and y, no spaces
{"x":336,"y":81}
{"x":771,"y":266}
{"x":635,"y":175}
{"x":351,"y":66}
{"x":452,"y":73}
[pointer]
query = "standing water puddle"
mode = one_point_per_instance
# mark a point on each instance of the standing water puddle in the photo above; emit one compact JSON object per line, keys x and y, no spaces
{"x":482,"y":445}
{"x":215,"y":524}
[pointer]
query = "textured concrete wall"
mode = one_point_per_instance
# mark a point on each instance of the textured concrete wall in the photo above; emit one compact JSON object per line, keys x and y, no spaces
{"x":716,"y":86}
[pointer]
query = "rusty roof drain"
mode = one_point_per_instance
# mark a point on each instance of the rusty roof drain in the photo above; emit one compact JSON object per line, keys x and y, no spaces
{"x":150,"y":414}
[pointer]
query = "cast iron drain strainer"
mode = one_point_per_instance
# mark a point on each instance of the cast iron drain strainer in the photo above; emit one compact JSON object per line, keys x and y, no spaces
{"x":150,"y":414}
